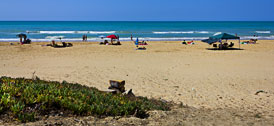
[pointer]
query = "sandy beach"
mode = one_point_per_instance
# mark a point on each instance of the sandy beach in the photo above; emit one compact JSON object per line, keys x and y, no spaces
{"x":188,"y":74}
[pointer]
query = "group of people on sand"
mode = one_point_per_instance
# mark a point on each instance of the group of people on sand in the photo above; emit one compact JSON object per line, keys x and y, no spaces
{"x":224,"y":45}
{"x":105,"y":42}
{"x":55,"y":45}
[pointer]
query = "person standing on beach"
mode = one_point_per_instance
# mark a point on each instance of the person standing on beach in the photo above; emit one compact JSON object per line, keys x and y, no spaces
{"x":131,"y":37}
{"x":83,"y":38}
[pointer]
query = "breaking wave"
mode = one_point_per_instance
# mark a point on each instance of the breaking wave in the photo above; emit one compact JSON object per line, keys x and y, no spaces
{"x":182,"y":32}
{"x":72,"y":32}
{"x":263,"y":32}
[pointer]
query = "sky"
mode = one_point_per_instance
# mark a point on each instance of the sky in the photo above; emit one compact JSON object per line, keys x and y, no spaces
{"x":136,"y":10}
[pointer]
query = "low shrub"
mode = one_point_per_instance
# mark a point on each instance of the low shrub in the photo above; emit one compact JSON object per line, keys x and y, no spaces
{"x":26,"y":98}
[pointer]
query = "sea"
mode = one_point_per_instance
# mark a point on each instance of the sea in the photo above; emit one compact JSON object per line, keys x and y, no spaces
{"x":39,"y":31}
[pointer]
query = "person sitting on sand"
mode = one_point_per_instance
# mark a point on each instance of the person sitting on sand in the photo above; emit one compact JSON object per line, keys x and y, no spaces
{"x":145,"y":43}
{"x":225,"y":45}
{"x":118,"y":42}
{"x":64,"y":44}
{"x":106,"y":42}
{"x":253,"y":41}
{"x":220,"y":46}
{"x":184,"y":42}
{"x":27,"y":41}
{"x":231,"y":44}
{"x":142,"y":43}
{"x":53,"y":42}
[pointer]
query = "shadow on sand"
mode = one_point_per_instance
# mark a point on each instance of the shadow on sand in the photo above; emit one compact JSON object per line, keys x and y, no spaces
{"x":224,"y":49}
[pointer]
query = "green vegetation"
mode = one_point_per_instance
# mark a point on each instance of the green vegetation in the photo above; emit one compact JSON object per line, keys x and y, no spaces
{"x":27,"y":98}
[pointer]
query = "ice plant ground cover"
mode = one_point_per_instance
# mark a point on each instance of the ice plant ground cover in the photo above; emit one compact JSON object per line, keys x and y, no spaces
{"x":25,"y":99}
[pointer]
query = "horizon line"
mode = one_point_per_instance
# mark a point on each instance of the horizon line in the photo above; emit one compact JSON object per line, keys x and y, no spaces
{"x":131,"y":21}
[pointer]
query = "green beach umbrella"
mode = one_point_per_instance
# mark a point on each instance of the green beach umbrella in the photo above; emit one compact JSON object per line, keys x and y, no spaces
{"x":224,"y":36}
{"x":210,"y":41}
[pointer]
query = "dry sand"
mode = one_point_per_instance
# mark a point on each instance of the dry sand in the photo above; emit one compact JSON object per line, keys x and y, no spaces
{"x":189,"y":74}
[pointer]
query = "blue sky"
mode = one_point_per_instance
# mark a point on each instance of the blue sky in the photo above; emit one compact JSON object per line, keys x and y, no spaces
{"x":137,"y":10}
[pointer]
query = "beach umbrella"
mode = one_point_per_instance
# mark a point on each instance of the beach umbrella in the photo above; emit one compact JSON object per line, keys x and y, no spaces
{"x":112,"y":36}
{"x":218,"y":37}
{"x":224,"y":36}
{"x":210,"y":41}
{"x":137,"y":41}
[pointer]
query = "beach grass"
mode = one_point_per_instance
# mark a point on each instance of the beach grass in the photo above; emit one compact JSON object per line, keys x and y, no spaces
{"x":25,"y":99}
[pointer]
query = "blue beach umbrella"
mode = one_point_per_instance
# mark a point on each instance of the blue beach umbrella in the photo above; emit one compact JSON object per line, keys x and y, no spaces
{"x":137,"y":41}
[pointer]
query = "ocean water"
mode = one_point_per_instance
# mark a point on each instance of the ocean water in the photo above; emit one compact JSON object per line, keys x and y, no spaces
{"x":151,"y":31}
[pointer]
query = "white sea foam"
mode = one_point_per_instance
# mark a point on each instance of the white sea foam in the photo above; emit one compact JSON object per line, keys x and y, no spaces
{"x":172,"y":39}
{"x":54,"y":37}
{"x":181,"y":32}
{"x":82,"y":32}
{"x":102,"y":32}
{"x":175,"y":32}
{"x":202,"y":32}
{"x":259,"y":37}
{"x":32,"y":32}
{"x":263,"y":32}
{"x":73,"y":32}
{"x":57,"y":32}
{"x":8,"y":40}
